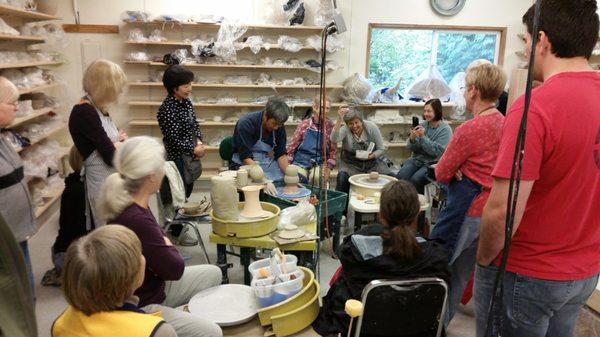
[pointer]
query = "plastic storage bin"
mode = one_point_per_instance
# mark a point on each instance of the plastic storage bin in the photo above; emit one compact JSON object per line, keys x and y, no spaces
{"x":291,"y":264}
{"x":269,"y":294}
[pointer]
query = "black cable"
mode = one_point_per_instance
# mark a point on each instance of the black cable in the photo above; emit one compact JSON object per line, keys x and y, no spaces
{"x":515,"y":177}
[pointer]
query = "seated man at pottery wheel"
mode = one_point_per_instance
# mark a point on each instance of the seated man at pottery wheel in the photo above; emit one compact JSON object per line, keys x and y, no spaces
{"x":306,"y":147}
{"x":260,"y":138}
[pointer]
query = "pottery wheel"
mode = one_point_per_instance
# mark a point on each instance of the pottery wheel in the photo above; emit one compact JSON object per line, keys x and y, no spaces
{"x":369,"y":182}
{"x":226,"y":305}
{"x":265,"y":214}
{"x":302,"y":192}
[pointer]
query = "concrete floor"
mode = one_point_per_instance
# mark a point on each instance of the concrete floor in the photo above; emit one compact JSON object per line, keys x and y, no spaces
{"x":50,"y":301}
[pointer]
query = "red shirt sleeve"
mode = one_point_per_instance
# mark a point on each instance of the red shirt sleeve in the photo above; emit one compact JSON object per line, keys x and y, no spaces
{"x":537,"y":142}
{"x":457,"y":152}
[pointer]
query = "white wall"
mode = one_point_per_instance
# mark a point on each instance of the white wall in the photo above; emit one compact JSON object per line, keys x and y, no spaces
{"x":358,"y":14}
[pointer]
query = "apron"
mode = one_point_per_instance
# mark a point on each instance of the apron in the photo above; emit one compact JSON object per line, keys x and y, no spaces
{"x":309,"y":150}
{"x":355,"y":165}
{"x":95,"y":173}
{"x":262,"y":153}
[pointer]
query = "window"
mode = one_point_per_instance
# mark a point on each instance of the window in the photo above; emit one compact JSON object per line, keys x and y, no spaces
{"x":406,"y":51}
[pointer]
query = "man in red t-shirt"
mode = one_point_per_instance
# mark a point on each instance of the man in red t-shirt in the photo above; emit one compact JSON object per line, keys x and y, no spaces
{"x":554,"y":259}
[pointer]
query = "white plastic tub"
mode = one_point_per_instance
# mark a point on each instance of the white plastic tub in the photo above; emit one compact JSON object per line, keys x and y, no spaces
{"x":291,"y":264}
{"x":269,"y":294}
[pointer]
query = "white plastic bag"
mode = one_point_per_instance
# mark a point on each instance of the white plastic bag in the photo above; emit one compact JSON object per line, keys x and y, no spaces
{"x":302,"y":214}
{"x":255,"y":43}
{"x":290,"y":44}
{"x":136,"y":16}
{"x":457,"y":96}
{"x":157,"y":35}
{"x":356,"y":89}
{"x":324,"y":13}
{"x":8,"y":30}
{"x":136,"y":35}
{"x":229,"y":33}
{"x":430,"y":84}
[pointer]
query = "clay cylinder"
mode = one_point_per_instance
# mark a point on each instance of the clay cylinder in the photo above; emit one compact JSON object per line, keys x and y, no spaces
{"x":242,"y":178}
{"x":224,"y":197}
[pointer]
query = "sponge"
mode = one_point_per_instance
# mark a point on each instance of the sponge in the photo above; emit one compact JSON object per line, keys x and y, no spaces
{"x":354,"y":308}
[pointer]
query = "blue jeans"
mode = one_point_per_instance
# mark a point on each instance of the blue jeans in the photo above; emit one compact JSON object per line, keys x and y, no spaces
{"x":25,"y":250}
{"x":531,"y":307}
{"x":415,"y":172}
{"x":459,"y":198}
{"x":462,"y":263}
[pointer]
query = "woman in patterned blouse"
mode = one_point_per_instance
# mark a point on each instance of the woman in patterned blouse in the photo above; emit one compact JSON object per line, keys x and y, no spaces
{"x":177,"y":121}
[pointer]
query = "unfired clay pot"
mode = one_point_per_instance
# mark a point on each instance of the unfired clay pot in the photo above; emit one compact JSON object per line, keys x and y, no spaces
{"x":374,"y":176}
{"x":224,"y":196}
{"x":252,"y":207}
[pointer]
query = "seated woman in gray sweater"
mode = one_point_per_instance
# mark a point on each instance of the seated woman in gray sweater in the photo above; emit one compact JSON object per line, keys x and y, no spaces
{"x":427,"y":142}
{"x":356,"y":134}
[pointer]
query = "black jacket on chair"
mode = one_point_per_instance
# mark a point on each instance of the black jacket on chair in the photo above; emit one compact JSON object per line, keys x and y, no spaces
{"x":357,"y":273}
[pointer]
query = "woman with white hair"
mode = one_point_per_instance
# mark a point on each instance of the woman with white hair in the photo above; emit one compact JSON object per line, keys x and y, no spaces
{"x":17,"y":209}
{"x":168,"y":283}
{"x":93,"y":131}
{"x":356,"y":135}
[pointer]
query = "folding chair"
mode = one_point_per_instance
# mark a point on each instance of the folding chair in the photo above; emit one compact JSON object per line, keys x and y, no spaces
{"x":169,"y":215}
{"x":413,"y":307}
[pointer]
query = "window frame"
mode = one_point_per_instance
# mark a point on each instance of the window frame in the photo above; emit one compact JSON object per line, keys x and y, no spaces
{"x":436,"y":28}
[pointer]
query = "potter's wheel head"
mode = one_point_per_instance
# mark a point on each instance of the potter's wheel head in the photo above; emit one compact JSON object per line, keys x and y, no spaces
{"x":255,"y":215}
{"x":363,"y":180}
{"x":301,"y":192}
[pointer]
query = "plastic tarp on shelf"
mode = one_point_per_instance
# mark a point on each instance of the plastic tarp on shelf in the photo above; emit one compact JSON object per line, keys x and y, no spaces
{"x":229,"y":33}
{"x":430,"y":84}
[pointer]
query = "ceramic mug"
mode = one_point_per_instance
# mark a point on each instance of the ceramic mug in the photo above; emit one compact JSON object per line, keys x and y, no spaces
{"x":242,"y":178}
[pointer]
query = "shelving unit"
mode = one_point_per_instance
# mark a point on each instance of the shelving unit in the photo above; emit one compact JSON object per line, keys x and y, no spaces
{"x":6,"y":10}
{"x":16,"y":16}
{"x":34,"y":114}
{"x":37,"y":89}
{"x":223,"y":66}
{"x":32,"y":39}
{"x":240,"y":86}
{"x":48,"y":201}
{"x":47,"y":135}
{"x":206,"y":25}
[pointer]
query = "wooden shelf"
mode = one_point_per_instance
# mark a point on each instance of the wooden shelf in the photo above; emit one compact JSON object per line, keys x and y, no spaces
{"x":242,"y":86}
{"x":223,"y":66}
{"x":36,"y":89}
{"x":51,"y":199}
{"x":271,"y":46}
{"x":32,"y":39}
{"x":27,"y":15}
{"x":217,"y":26}
{"x":34,"y":114}
{"x":28,"y":64}
{"x":45,"y":136}
{"x":216,"y":105}
{"x":401,"y":105}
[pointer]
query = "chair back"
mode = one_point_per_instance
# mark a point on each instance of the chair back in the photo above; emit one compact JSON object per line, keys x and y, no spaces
{"x":413,"y":307}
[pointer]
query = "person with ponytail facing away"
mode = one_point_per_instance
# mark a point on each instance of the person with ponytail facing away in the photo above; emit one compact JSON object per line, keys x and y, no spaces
{"x":101,"y":272}
{"x":389,"y":250}
{"x":168,"y":283}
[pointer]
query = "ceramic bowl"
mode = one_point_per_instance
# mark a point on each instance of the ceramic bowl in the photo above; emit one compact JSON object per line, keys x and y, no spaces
{"x":191,"y":207}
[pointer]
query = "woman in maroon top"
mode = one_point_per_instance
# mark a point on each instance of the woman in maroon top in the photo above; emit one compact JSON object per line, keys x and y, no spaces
{"x":168,"y":283}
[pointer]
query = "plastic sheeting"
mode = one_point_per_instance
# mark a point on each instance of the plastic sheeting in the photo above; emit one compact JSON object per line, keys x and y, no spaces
{"x":430,"y":84}
{"x":229,"y":33}
{"x":356,"y":89}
